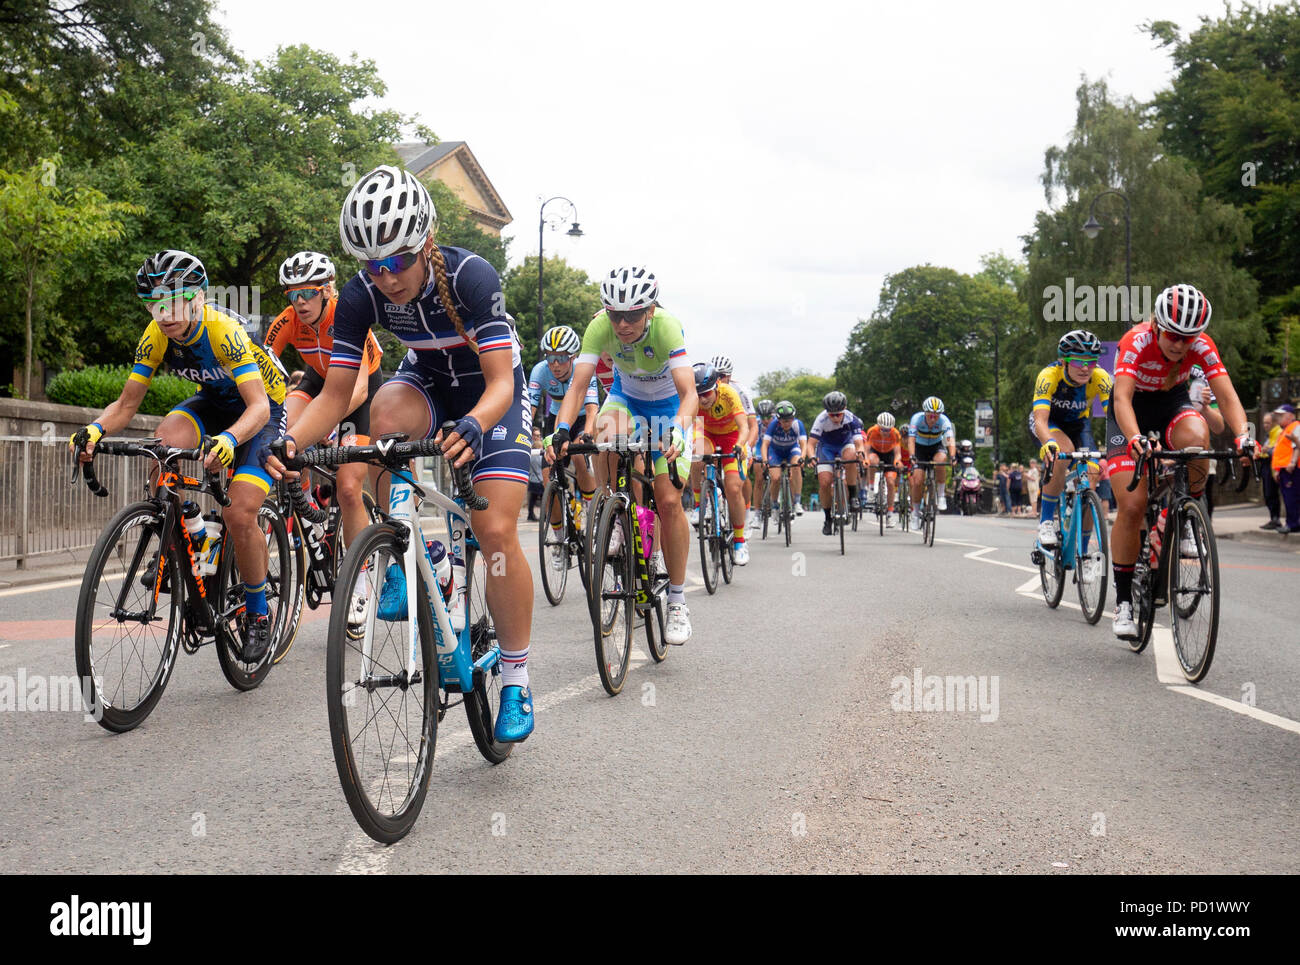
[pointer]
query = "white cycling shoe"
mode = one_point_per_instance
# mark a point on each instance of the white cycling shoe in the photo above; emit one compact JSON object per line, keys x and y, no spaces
{"x":678,"y":628}
{"x":1047,"y":534}
{"x":798,"y":509}
{"x":943,"y":503}
{"x":1090,"y":570}
{"x":693,"y":516}
{"x":1125,"y":627}
{"x":742,"y":553}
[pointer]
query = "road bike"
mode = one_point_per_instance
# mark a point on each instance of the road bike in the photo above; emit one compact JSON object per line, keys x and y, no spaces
{"x":149,"y":590}
{"x":1080,"y":519}
{"x":785,"y":508}
{"x":390,"y":684}
{"x":561,"y":540}
{"x":628,"y":580}
{"x":929,"y":508}
{"x":717,"y":553}
{"x":882,"y":493}
{"x":1178,"y":562}
{"x":840,"y":511}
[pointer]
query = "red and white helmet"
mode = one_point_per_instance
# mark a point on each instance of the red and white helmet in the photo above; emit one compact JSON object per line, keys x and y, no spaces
{"x":1182,"y":309}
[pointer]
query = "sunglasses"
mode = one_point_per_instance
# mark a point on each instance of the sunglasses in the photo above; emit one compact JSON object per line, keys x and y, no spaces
{"x":626,"y":318}
{"x":557,"y":358}
{"x":1082,"y":363}
{"x":1176,"y":337}
{"x":302,"y":294}
{"x":160,"y":295}
{"x":393,"y":263}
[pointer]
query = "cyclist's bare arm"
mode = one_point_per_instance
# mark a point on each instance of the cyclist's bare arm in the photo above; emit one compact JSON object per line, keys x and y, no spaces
{"x":119,"y":412}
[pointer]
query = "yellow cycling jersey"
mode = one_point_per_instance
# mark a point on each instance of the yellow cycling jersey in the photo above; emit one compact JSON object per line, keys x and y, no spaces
{"x":1070,"y":403}
{"x":720,"y":419}
{"x":218,"y":357}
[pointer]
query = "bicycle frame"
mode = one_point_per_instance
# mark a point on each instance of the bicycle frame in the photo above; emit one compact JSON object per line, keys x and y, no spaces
{"x":1077,"y":476}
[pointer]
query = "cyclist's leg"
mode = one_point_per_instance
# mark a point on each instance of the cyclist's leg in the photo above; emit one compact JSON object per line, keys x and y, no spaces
{"x":850,"y":453}
{"x":1125,"y":534}
{"x":404,"y":404}
{"x":734,"y":490}
{"x":1189,"y":428}
{"x":351,"y":478}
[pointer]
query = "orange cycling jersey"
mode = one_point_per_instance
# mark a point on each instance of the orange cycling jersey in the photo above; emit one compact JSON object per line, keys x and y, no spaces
{"x":721,"y":418}
{"x":315,"y":345}
{"x":881,"y":441}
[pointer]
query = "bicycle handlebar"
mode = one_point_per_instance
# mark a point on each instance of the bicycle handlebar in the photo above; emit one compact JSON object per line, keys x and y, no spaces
{"x":213,"y":482}
{"x":392,"y":452}
{"x":623,"y":446}
{"x":1146,"y":462}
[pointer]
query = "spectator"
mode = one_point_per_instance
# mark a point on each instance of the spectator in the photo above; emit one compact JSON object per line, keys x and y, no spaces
{"x":1004,"y":479}
{"x":1264,"y":469}
{"x":535,"y":475}
{"x":1015,"y":486}
{"x":1031,"y":487}
{"x":1286,"y":454}
{"x":294,"y":378}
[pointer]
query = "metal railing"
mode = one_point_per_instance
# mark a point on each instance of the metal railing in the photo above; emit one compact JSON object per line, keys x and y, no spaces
{"x":40,"y":513}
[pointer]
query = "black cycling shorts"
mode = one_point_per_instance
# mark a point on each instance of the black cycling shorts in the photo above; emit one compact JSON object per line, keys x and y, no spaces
{"x":358,"y":420}
{"x":1156,"y":412}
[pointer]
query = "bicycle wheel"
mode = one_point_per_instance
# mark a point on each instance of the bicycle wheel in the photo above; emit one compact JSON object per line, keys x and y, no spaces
{"x":904,"y":505}
{"x":840,"y":507}
{"x":929,"y":515}
{"x":613,"y":582}
{"x":882,"y":504}
{"x":1092,"y":596}
{"x":232,"y":618}
{"x":124,"y":661}
{"x":710,"y":558}
{"x":553,"y":544}
{"x":656,"y":615}
{"x":1193,"y":590}
{"x":1051,"y":573}
{"x":590,"y":521}
{"x":766,"y":510}
{"x":483,"y":702}
{"x":383,"y":721}
{"x":726,"y":546}
{"x":787,"y":505}
{"x":578,"y":546}
{"x":297,"y":583}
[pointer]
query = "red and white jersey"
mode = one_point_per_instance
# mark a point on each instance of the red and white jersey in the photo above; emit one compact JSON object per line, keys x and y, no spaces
{"x":1139,"y":357}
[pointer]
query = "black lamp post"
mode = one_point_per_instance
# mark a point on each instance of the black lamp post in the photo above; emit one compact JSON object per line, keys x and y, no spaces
{"x":1092,"y":228}
{"x":573,"y":232}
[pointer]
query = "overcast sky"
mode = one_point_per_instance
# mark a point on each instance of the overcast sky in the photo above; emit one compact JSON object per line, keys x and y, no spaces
{"x":770,"y":162}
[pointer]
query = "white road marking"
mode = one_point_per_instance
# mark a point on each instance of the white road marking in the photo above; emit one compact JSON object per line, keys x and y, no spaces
{"x":1240,"y":708}
{"x":979,"y":555}
{"x":37,"y":588}
{"x":1168,"y":669}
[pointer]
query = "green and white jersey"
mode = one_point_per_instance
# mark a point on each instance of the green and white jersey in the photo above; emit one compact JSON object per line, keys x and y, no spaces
{"x":642,"y":370}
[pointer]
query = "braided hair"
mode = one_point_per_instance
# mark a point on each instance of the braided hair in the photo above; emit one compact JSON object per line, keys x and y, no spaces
{"x":444,"y":291}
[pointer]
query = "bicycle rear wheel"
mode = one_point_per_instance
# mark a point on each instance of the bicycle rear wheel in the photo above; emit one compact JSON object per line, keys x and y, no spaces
{"x":483,"y":702}
{"x":1193,"y":590}
{"x":1092,"y":596}
{"x":726,"y":548}
{"x":710,"y":558}
{"x":552,"y":544}
{"x":929,"y":511}
{"x":232,"y":617}
{"x":656,"y":614}
{"x":383,"y":723}
{"x":293,"y":610}
{"x":612,"y":609}
{"x":123,"y":659}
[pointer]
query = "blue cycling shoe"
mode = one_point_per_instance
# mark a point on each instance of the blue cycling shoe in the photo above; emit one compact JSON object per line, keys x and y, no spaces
{"x":515,"y":719}
{"x":392,"y":600}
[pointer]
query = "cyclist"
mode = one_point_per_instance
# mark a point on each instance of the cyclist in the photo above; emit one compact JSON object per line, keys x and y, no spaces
{"x":1060,"y":421}
{"x":1152,"y":367}
{"x":723,"y":429}
{"x":551,"y":377}
{"x":653,"y":392}
{"x":834,"y":435}
{"x":463,"y":364}
{"x":308,"y":325}
{"x":930,"y":438}
{"x":724,"y":367}
{"x":239,"y":406}
{"x":884,"y":447}
{"x":784,"y":441}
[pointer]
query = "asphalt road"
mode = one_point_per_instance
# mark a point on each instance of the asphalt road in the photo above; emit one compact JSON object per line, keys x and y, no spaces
{"x":772,"y":742}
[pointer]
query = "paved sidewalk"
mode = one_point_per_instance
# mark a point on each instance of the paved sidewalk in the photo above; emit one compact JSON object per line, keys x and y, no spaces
{"x":1242,"y":521}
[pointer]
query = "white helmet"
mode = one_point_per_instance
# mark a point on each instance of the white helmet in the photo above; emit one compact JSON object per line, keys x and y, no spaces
{"x":387,"y":211}
{"x":629,"y":289}
{"x":306,"y":267}
{"x":722,"y":364}
{"x":885,"y":420}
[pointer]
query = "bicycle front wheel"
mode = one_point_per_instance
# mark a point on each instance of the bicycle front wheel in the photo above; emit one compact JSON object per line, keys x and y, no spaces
{"x":841,"y":503}
{"x":787,"y":505}
{"x":1193,"y":590}
{"x":296,"y":586}
{"x":727,"y":549}
{"x":552,"y":543}
{"x":710,"y":558}
{"x":129,"y":623}
{"x":613,"y":581}
{"x":930,"y":511}
{"x":1093,"y":567}
{"x":483,"y":702}
{"x":383,"y":717}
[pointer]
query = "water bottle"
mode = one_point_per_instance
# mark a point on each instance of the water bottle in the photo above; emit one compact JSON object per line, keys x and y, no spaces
{"x":457,"y":590}
{"x":211,"y":553}
{"x":1157,"y":535}
{"x":441,"y":568}
{"x":646,"y":518}
{"x":194,"y":526}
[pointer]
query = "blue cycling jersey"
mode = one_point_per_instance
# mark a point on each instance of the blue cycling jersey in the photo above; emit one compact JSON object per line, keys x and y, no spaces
{"x":543,"y":381}
{"x":930,"y":436}
{"x":785,"y":438}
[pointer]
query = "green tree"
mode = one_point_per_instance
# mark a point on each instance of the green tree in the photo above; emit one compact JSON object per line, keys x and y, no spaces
{"x":803,"y":388}
{"x":571,"y":299}
{"x":769,"y":384}
{"x":46,"y":230}
{"x":458,"y":229}
{"x":1233,"y":110}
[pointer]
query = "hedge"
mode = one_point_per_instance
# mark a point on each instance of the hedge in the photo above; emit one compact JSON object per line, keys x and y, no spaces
{"x":98,"y":385}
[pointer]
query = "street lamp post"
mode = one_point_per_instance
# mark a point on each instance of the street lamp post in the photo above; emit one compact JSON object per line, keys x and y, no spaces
{"x":573,"y":232}
{"x":1092,"y":228}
